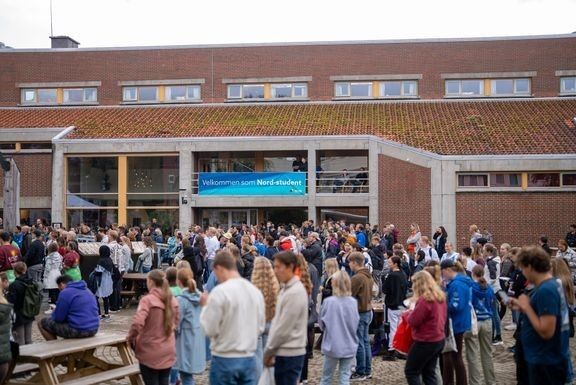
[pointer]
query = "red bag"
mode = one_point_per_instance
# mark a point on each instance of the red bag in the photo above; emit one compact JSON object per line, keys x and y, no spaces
{"x":403,"y":338}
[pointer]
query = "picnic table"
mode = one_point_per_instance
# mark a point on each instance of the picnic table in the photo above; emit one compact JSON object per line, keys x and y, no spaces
{"x":136,"y":286}
{"x":79,"y":362}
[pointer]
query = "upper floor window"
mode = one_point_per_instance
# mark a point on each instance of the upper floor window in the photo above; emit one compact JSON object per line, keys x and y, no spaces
{"x":246,"y":91}
{"x":551,"y":179}
{"x":284,"y":91}
{"x":398,"y":88}
{"x":182,"y":93}
{"x":568,"y":85}
{"x":140,"y":94}
{"x":40,"y":96}
{"x":353,"y":90}
{"x":510,"y":87}
{"x":466,"y":88}
{"x":80,"y":95}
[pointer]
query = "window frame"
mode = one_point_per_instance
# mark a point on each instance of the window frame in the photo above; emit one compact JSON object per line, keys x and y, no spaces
{"x":350,"y":84}
{"x":487,"y":175}
{"x":382,"y":89}
{"x":138,"y":99}
{"x":23,"y":92}
{"x":460,"y":83}
{"x":242,"y":97}
{"x":563,"y":91}
{"x":84,"y":101}
{"x":514,"y":93}
{"x":562,"y":185}
{"x":187,"y":98}
{"x":293,"y":87}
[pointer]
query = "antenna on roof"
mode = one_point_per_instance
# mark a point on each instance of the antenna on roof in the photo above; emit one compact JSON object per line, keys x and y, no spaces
{"x":51,"y":29}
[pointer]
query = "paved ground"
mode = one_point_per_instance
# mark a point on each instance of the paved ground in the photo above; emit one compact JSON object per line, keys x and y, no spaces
{"x":384,"y":372}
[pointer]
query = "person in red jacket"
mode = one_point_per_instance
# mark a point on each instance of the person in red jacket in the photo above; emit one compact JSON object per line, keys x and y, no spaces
{"x":427,"y":320}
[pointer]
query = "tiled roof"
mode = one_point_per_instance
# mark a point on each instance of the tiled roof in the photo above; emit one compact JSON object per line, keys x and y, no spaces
{"x":535,"y":126}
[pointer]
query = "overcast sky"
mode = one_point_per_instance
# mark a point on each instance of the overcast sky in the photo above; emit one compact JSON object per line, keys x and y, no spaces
{"x":106,"y":23}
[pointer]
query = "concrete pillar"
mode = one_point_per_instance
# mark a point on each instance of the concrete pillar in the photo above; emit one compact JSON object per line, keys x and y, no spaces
{"x":186,"y":159}
{"x":373,"y":208}
{"x":443,"y":190}
{"x":58,"y":186}
{"x":312,"y":183}
{"x":11,"y":196}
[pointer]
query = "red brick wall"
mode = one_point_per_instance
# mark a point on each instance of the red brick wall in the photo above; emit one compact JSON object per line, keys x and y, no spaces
{"x":35,"y":175}
{"x":404,"y":195}
{"x":319,"y":61}
{"x":516,"y":218}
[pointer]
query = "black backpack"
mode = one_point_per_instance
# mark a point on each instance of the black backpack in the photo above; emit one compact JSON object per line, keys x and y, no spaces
{"x":94,"y":280}
{"x":377,"y":262}
{"x":32,"y":300}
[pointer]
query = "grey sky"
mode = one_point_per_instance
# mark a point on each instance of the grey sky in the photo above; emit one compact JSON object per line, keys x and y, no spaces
{"x":105,"y":23}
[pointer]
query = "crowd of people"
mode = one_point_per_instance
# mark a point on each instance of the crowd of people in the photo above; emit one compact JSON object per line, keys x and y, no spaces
{"x":248,"y":299}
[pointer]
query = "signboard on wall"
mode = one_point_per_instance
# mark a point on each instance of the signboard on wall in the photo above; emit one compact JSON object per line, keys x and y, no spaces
{"x":252,"y":183}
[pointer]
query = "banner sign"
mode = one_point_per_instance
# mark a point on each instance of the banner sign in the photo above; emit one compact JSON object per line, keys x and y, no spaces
{"x":252,"y":183}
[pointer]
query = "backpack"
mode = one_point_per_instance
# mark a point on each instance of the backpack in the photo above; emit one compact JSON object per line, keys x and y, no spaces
{"x":32,"y":300}
{"x":377,"y":262}
{"x":94,"y":280}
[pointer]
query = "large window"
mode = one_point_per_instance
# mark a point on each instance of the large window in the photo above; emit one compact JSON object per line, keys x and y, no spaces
{"x":569,"y":179}
{"x":140,"y":94}
{"x":544,"y":179}
{"x":510,"y":87}
{"x":396,"y":89}
{"x":568,"y":85}
{"x":182,"y":93}
{"x":80,"y":95}
{"x":287,"y":91}
{"x":465,"y":88}
{"x":505,"y":180}
{"x":473,"y":180}
{"x":39,"y":96}
{"x":353,"y":90}
{"x":246,"y":91}
{"x":43,"y":96}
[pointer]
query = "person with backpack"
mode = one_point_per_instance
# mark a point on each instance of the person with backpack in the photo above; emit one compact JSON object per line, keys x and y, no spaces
{"x":377,"y":255}
{"x":313,"y":252}
{"x":26,"y":297}
{"x":52,"y":272}
{"x":271,"y":249}
{"x":102,"y":274}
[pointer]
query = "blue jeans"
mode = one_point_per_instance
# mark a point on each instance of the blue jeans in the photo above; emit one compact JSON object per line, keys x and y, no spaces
{"x":364,"y":352}
{"x":233,"y":371}
{"x":287,"y":370}
{"x":344,"y":369}
{"x":187,"y":378}
{"x":496,"y":331}
{"x":173,"y":376}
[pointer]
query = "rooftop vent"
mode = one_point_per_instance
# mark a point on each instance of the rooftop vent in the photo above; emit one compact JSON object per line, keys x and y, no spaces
{"x":63,"y":42}
{"x":4,"y":46}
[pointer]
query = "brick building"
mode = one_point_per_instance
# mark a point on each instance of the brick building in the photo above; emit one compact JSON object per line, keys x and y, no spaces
{"x":439,"y":132}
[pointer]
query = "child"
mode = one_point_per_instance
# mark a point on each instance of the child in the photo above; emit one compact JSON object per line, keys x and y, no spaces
{"x":53,"y":266}
{"x":71,"y":262}
{"x":190,"y":340}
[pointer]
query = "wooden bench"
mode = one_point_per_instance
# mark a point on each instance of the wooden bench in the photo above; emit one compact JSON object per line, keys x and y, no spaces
{"x":137,"y":287}
{"x":79,"y":360}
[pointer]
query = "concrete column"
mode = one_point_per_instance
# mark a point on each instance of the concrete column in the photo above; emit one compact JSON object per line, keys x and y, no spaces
{"x":373,"y":208}
{"x":186,"y":159}
{"x":11,"y":202}
{"x":443,"y":190}
{"x":58,"y":186}
{"x":312,"y":183}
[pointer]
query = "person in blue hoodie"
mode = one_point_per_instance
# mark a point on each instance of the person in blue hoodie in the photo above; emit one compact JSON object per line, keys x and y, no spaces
{"x":479,"y":347}
{"x":76,"y":312}
{"x":459,"y":301}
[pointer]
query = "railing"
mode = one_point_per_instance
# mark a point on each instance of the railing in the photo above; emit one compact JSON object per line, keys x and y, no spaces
{"x":342,"y":182}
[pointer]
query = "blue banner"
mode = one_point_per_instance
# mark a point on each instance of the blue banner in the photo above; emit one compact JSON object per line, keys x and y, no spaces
{"x":252,"y":183}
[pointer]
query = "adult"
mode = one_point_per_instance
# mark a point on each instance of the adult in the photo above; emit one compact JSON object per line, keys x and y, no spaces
{"x":145,"y":259}
{"x":492,"y":276}
{"x":103,"y":276}
{"x":5,"y":345}
{"x":75,"y":315}
{"x":271,"y":249}
{"x":544,"y":329}
{"x":313,"y":251}
{"x":568,"y":255}
{"x":395,"y":288}
{"x":190,"y":340}
{"x":22,"y":327}
{"x":449,"y":253}
{"x":35,"y":256}
{"x":52,"y":271}
{"x":120,"y":267}
{"x":571,"y":236}
{"x":466,"y":259}
{"x":362,"y":290}
{"x":429,"y":252}
{"x":440,"y":237}
{"x":212,"y":246}
{"x":427,"y":321}
{"x":413,"y":240}
{"x":475,"y":235}
{"x":458,"y":294}
{"x":543,"y":241}
{"x":233,"y":318}
{"x":286,"y":346}
{"x":151,"y":334}
{"x":339,"y":321}
{"x":265,"y":280}
{"x":479,"y":347}
{"x":199,"y":253}
{"x":9,"y":255}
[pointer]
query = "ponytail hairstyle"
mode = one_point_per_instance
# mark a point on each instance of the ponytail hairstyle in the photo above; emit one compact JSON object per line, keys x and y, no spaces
{"x":186,"y":278}
{"x":478,"y":272}
{"x":157,"y":276}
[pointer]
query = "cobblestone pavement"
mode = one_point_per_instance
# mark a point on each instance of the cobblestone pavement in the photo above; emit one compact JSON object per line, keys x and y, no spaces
{"x":384,"y":372}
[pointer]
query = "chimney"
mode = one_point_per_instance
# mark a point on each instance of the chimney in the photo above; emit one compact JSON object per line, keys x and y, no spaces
{"x":63,"y":42}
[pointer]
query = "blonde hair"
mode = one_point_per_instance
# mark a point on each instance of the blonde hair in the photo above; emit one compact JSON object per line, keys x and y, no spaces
{"x":159,"y":279}
{"x":561,"y":271}
{"x":341,"y":284}
{"x":3,"y":278}
{"x":183,"y":265}
{"x":186,"y":277}
{"x":426,"y":287}
{"x":265,"y":280}
{"x":330,"y":267}
{"x":304,"y":273}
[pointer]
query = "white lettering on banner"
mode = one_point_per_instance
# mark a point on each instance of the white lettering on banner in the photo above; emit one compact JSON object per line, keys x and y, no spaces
{"x":257,"y":182}
{"x":281,"y":182}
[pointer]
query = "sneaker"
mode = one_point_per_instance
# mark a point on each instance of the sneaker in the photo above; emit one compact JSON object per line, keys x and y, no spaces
{"x":369,"y":376}
{"x":510,"y":327}
{"x":357,"y":377}
{"x":497,"y":341}
{"x":105,"y":317}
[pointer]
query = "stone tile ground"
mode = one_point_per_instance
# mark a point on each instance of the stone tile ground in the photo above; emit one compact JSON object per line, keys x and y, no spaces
{"x":384,"y":372}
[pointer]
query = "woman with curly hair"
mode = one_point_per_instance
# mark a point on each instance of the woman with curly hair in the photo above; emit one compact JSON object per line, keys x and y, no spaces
{"x":265,"y":280}
{"x":302,"y":271}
